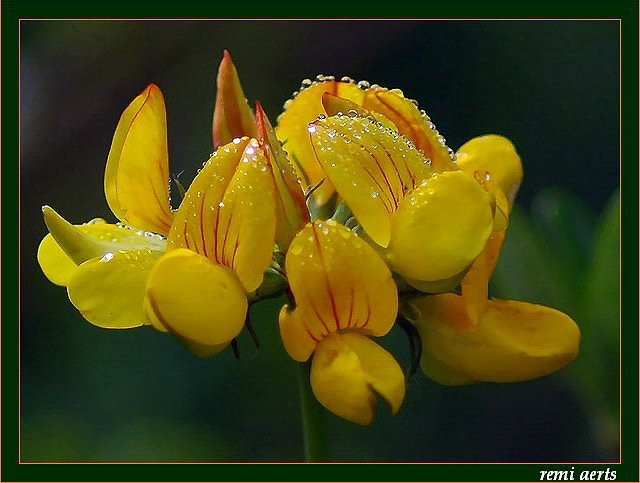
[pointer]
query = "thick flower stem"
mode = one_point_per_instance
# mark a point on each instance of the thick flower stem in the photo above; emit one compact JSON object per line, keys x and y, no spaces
{"x":313,"y":421}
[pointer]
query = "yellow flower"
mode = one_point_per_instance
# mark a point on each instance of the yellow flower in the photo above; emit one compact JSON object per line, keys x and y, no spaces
{"x":219,"y":246}
{"x":218,"y":243}
{"x":343,"y":294}
{"x":388,"y":163}
{"x":105,"y":266}
{"x":470,"y":338}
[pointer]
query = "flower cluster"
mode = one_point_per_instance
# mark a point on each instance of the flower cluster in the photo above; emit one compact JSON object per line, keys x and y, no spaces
{"x":353,"y":206}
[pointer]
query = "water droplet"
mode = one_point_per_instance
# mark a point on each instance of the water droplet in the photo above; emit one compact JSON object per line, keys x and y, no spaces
{"x":107,"y":256}
{"x":363,"y":84}
{"x":311,"y":129}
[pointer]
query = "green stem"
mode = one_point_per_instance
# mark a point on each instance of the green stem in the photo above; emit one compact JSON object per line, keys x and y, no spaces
{"x":313,"y":425}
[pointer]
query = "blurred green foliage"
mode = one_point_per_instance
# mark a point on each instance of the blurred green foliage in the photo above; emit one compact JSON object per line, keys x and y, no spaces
{"x":563,"y":256}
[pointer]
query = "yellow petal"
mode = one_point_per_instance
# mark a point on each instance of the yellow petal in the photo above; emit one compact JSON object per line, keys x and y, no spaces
{"x":200,"y":301}
{"x":82,"y":242}
{"x":232,"y":117}
{"x":228,"y":213}
{"x":498,"y":156}
{"x":499,"y":202}
{"x":136,"y":179}
{"x":475,"y":285}
{"x":292,"y":130}
{"x":441,"y":373}
{"x":513,"y":341}
{"x":437,"y":286}
{"x":412,"y":124}
{"x":109,"y":291}
{"x":297,"y":338}
{"x":347,"y":373}
{"x":291,"y":207}
{"x":54,"y":262}
{"x":334,"y":105}
{"x":339,"y":282}
{"x":440,"y":227}
{"x":371,"y":167}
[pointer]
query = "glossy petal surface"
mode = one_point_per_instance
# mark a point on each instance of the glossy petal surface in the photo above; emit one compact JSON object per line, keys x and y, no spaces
{"x":347,"y":373}
{"x":54,"y":262}
{"x":136,"y":180}
{"x":200,"y":301}
{"x":440,"y":227}
{"x":109,"y":291}
{"x":371,"y":166}
{"x":67,"y":245}
{"x":292,"y":130}
{"x":228,"y":213}
{"x":496,"y":155}
{"x":410,"y":123}
{"x":339,"y":283}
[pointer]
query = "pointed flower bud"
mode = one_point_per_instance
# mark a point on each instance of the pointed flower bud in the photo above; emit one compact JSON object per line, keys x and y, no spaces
{"x":232,"y":117}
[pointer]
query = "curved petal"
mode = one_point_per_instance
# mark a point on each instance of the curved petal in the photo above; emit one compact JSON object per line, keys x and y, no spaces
{"x":497,"y":155}
{"x":109,"y":291}
{"x":297,"y":338}
{"x":232,"y":117}
{"x":475,"y":285}
{"x":513,"y":341}
{"x":228,"y":213}
{"x":69,"y":245}
{"x":54,"y":262}
{"x":334,"y":106}
{"x":199,"y":301}
{"x":371,"y":166}
{"x":291,"y":207}
{"x":136,"y":179}
{"x":441,"y":373}
{"x":411,"y":123}
{"x":437,"y":286}
{"x":440,"y":227}
{"x":304,"y":108}
{"x":339,"y":282}
{"x":347,"y":373}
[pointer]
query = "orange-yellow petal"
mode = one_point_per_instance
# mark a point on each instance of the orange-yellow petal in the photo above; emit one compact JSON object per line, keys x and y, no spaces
{"x":291,"y":207}
{"x":339,"y":283}
{"x":371,"y":166}
{"x":440,"y":227}
{"x":512,"y":341}
{"x":228,"y":213}
{"x":232,"y":117}
{"x":188,"y":295}
{"x":334,"y":105}
{"x":292,"y":130}
{"x":348,"y":372}
{"x":411,"y":123}
{"x":497,"y":155}
{"x":136,"y":179}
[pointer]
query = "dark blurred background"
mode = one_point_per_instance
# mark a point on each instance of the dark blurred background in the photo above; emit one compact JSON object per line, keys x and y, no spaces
{"x":552,"y":87}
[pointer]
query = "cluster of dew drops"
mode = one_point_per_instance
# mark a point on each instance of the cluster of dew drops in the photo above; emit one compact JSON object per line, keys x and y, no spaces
{"x":364,"y":85}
